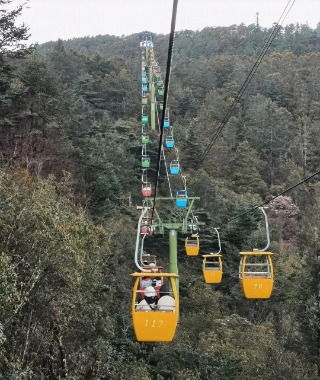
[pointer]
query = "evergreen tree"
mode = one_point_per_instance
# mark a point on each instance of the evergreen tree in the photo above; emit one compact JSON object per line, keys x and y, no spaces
{"x":12,"y":35}
{"x":245,"y":171}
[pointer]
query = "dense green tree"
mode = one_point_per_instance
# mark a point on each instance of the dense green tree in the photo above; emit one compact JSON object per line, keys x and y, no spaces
{"x":65,"y":285}
{"x":269,"y":130}
{"x":245,"y":170}
{"x":14,"y":37}
{"x":12,"y":45}
{"x":51,"y":250}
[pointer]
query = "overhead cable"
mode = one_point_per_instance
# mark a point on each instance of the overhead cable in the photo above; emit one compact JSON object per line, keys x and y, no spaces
{"x":166,"y":87}
{"x":253,"y":70}
{"x":275,"y":197}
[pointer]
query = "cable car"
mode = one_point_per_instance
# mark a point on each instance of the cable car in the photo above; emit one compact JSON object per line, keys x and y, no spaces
{"x":212,"y":265}
{"x":149,"y":44}
{"x":144,"y":100}
{"x":256,"y":274}
{"x":212,"y":268}
{"x":144,"y":119}
{"x":144,"y":177}
{"x":169,"y":142}
{"x":149,"y":263}
{"x":166,"y":123}
{"x":147,"y":226}
{"x":144,"y":87}
{"x":149,"y":280}
{"x":160,"y":91}
{"x":147,"y":230}
{"x":174,"y":167}
{"x":182,"y":198}
{"x":256,"y":270}
{"x":150,"y":323}
{"x":145,"y":138}
{"x":145,"y":161}
{"x":192,"y":245}
{"x":149,"y":260}
{"x":146,"y":189}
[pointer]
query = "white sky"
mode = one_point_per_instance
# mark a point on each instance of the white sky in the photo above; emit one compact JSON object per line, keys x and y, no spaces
{"x":53,"y":19}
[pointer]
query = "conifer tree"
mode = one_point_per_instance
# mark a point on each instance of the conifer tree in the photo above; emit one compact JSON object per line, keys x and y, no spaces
{"x":12,"y":35}
{"x":245,"y":168}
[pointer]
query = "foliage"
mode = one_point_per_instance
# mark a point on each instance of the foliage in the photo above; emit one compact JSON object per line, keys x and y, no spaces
{"x":67,"y":240}
{"x":12,"y":35}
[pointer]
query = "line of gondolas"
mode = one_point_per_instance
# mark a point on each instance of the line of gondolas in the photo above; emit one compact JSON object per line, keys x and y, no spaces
{"x":155,"y":297}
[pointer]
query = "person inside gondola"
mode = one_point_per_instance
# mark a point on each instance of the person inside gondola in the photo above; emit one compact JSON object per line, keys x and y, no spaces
{"x":145,"y":281}
{"x":165,"y":302}
{"x":149,"y":301}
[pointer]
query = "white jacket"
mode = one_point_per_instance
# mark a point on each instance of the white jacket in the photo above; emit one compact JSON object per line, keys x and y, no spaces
{"x":166,"y":303}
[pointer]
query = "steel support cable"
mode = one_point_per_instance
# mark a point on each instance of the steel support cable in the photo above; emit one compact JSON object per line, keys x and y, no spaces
{"x":166,"y":166}
{"x":164,"y":157}
{"x":136,"y":254}
{"x":275,"y":197}
{"x":166,"y":87}
{"x":248,"y":79}
{"x":177,"y":159}
{"x":144,"y":177}
{"x":183,"y":177}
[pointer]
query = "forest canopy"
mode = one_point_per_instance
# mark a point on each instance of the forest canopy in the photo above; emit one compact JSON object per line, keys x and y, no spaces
{"x":70,"y":131}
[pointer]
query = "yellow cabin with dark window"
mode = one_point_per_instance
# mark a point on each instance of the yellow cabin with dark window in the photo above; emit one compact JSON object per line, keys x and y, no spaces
{"x":192,"y":245}
{"x":256,"y":274}
{"x":152,"y":323}
{"x":212,"y":268}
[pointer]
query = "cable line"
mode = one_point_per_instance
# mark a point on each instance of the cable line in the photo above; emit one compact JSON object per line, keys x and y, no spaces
{"x":164,"y":158}
{"x":170,"y":50}
{"x":244,"y":86}
{"x":276,"y":196}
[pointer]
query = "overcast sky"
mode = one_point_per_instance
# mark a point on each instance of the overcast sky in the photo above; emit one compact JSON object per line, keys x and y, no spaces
{"x":53,"y":19}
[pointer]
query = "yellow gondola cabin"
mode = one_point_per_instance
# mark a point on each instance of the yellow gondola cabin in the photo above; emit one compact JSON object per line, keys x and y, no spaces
{"x":212,"y":268}
{"x":256,"y":274}
{"x":150,"y":322}
{"x":192,"y":245}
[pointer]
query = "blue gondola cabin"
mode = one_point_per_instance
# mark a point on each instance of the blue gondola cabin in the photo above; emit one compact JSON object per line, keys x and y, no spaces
{"x":169,"y":142}
{"x":181,"y":198}
{"x":174,"y":167}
